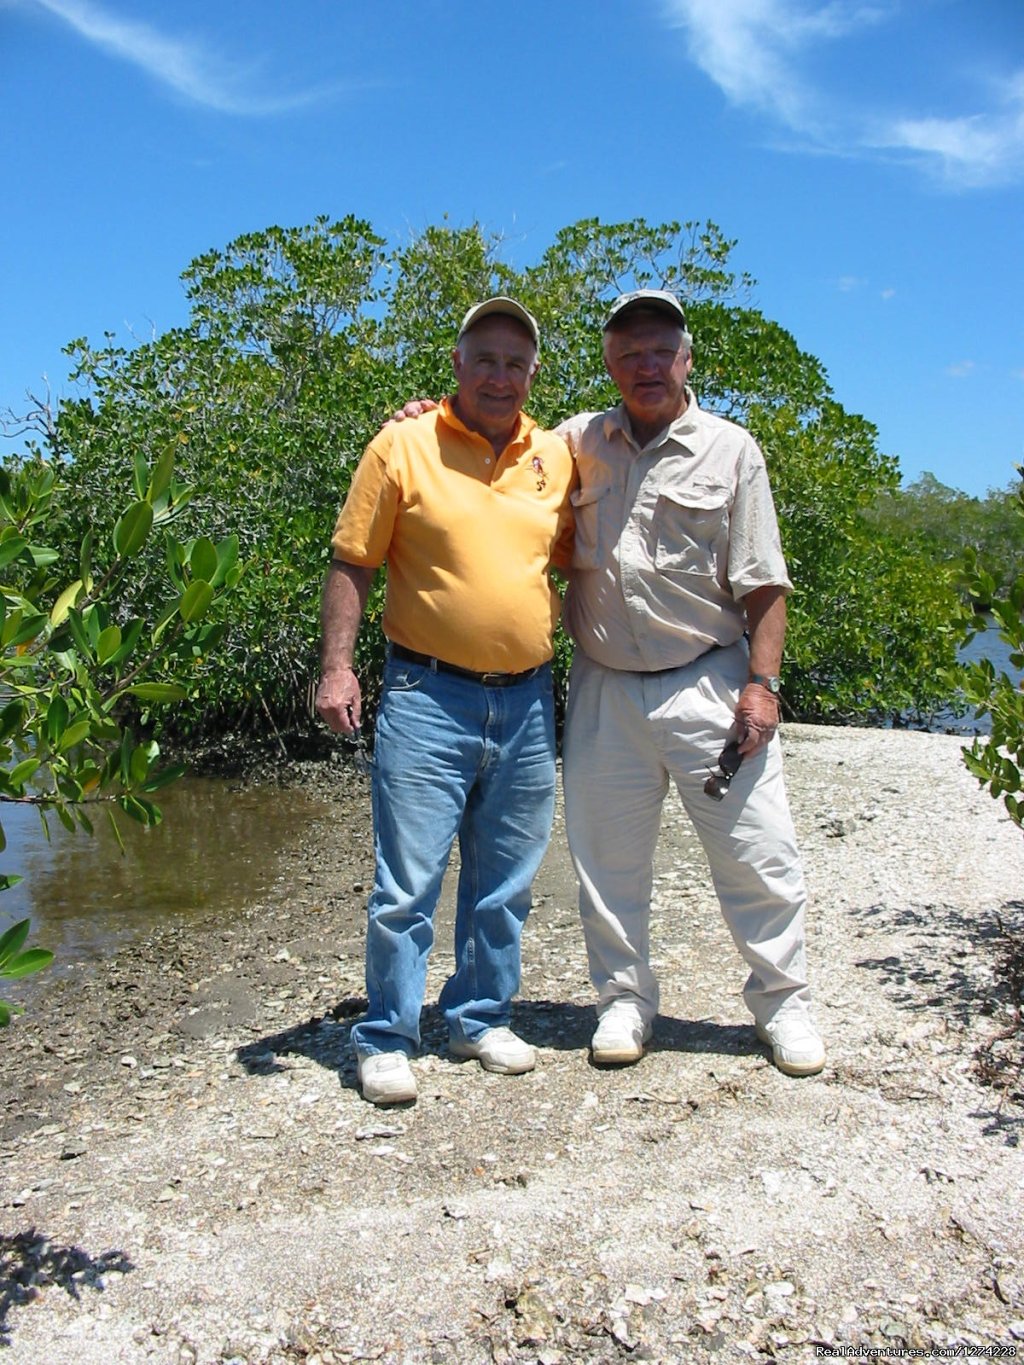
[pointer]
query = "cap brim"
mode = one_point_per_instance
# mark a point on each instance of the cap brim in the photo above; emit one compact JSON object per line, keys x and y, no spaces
{"x":500,"y":307}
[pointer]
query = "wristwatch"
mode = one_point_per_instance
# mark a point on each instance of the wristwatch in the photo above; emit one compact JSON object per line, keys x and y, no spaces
{"x":769,"y":680}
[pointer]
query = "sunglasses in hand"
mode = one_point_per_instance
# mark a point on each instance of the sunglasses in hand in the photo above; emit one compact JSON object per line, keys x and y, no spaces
{"x":729,"y":761}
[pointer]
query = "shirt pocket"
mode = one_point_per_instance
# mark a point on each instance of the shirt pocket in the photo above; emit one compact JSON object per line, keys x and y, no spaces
{"x":691,"y":531}
{"x":590,"y":511}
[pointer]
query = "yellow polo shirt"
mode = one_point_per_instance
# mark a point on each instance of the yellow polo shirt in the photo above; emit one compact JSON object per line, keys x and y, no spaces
{"x":468,"y":538}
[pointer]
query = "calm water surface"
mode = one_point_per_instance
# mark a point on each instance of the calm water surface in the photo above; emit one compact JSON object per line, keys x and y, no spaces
{"x":218,"y":846}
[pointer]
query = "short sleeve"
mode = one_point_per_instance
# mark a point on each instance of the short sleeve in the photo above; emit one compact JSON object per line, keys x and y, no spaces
{"x":363,"y":531}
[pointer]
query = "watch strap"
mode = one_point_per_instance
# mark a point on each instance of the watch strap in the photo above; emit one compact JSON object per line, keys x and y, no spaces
{"x":770,"y":681}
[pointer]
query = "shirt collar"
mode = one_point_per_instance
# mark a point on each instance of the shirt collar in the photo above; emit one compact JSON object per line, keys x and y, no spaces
{"x":521,"y":436}
{"x":617,"y":420}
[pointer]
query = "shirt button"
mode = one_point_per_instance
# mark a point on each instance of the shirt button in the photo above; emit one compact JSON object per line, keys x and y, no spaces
{"x":487,"y":459}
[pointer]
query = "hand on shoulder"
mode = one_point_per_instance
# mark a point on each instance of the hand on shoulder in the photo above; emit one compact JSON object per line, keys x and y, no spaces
{"x":416,"y":407}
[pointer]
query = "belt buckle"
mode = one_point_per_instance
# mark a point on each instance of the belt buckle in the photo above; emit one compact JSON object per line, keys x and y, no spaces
{"x":493,"y":679}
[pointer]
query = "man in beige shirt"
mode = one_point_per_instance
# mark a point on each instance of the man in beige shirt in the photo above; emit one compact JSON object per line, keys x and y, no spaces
{"x":677,"y":605}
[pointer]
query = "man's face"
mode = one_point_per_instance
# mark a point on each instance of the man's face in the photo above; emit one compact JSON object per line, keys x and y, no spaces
{"x":650,"y":366}
{"x":494,"y":366}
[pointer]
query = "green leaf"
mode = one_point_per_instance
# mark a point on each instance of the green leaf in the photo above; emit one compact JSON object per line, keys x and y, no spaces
{"x":140,"y":472}
{"x":74,"y":734}
{"x":64,"y":603}
{"x":10,"y":548}
{"x":20,"y":774}
{"x":143,"y":811}
{"x":227,"y":560}
{"x":12,"y":718}
{"x":203,"y":559}
{"x":57,"y":715}
{"x":195,"y":601}
{"x":159,"y":692}
{"x":94,"y":619}
{"x":85,"y":558}
{"x":132,"y":529}
{"x":80,"y":634}
{"x":169,"y":614}
{"x":29,"y":628}
{"x":124,"y":758}
{"x":43,"y":556}
{"x":108,"y":644}
{"x":6,"y":1012}
{"x":129,"y":639}
{"x":138,"y":767}
{"x":11,"y":941}
{"x":115,"y":829}
{"x":164,"y":778}
{"x":175,"y":557}
{"x":161,"y":480}
{"x":34,"y":960}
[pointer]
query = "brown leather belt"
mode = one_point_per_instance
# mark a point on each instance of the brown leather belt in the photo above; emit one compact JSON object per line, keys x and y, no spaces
{"x":410,"y":656}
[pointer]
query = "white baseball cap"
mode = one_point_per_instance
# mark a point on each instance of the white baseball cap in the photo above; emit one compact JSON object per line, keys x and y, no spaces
{"x":500,"y":306}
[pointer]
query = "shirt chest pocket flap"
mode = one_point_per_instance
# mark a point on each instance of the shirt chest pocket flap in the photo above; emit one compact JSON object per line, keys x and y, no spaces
{"x":590,"y":507}
{"x":691,"y":530}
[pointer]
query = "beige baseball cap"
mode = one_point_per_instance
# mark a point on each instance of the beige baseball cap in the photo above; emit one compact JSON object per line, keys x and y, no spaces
{"x":661,"y":300}
{"x":501,"y":306}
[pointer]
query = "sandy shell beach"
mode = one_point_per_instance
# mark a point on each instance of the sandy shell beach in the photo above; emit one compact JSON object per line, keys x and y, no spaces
{"x":188,"y":1173}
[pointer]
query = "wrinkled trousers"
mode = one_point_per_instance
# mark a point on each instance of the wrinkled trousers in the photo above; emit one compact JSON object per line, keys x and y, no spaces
{"x":627,"y":735}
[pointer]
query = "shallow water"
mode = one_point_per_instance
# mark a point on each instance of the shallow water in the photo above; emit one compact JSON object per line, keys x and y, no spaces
{"x":218,"y":845}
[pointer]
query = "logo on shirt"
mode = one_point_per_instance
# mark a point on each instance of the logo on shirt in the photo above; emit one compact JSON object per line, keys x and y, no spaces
{"x":537,"y":465}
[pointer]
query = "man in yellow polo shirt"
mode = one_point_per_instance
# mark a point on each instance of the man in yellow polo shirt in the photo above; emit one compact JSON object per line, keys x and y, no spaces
{"x":469,"y":507}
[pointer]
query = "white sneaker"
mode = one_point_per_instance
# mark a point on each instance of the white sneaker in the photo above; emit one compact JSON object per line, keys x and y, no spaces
{"x":797,"y":1049}
{"x":620,"y":1037}
{"x":499,"y":1049}
{"x":386,"y":1078}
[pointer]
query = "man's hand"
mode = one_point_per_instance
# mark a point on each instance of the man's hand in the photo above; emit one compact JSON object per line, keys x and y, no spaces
{"x":416,"y":407}
{"x":757,"y":711}
{"x":339,"y":702}
{"x":757,"y":717}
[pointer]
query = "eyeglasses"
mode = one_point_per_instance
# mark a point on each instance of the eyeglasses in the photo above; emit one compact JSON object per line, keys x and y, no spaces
{"x":729,"y":761}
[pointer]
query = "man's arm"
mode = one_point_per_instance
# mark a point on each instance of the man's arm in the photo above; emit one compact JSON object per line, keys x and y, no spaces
{"x":338,"y":698}
{"x":757,"y":710}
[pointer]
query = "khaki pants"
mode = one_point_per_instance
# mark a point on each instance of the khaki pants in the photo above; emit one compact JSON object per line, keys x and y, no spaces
{"x":626,"y":735}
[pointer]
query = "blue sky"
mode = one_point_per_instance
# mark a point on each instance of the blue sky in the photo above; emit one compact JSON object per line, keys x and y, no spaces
{"x":868,"y":157}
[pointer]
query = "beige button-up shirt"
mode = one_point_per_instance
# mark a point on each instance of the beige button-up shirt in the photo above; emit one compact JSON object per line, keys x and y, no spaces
{"x":669,"y":538}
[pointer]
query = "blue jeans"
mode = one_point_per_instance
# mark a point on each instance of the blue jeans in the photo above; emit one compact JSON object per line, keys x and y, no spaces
{"x":453,"y":757}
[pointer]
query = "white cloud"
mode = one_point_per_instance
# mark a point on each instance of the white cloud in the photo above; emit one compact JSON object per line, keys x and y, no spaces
{"x":184,"y":67}
{"x":888,"y":293}
{"x":973,"y":150}
{"x":846,"y":284}
{"x":961,"y":369}
{"x":761,"y":55}
{"x":750,"y":49}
